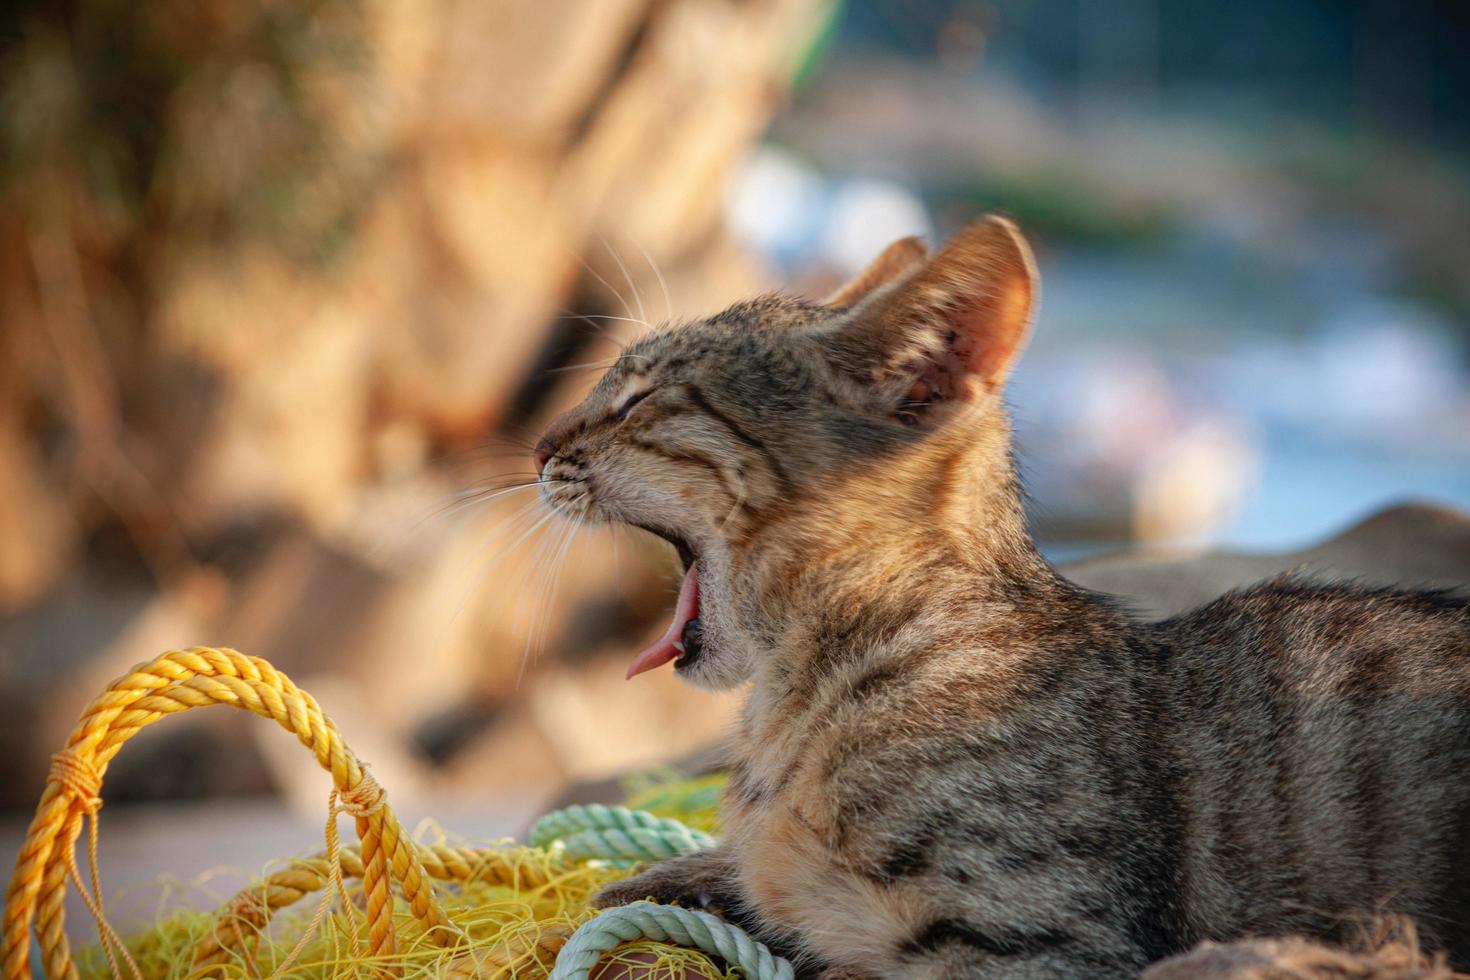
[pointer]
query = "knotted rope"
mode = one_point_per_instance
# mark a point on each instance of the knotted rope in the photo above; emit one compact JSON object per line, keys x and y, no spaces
{"x":78,"y":777}
{"x":364,"y":799}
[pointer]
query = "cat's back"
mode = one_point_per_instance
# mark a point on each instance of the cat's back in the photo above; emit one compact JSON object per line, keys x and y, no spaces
{"x":1332,"y":638}
{"x":1321,"y":738}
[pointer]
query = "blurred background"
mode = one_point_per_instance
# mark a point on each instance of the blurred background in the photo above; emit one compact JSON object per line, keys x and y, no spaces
{"x":288,"y":288}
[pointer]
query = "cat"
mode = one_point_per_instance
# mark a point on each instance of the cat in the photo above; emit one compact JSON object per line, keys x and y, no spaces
{"x":952,"y":762}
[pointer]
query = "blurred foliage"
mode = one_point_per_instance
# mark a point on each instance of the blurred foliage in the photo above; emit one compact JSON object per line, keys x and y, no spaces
{"x":208,"y":121}
{"x":811,"y":57}
{"x":1055,"y":206}
{"x":1416,"y":192}
{"x":141,"y":143}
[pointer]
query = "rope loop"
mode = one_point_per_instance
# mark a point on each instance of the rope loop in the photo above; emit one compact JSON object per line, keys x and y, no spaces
{"x":181,"y":680}
{"x":624,"y":836}
{"x":79,"y":777}
{"x":666,"y":923}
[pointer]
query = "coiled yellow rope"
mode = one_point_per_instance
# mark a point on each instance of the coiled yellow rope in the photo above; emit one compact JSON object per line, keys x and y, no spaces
{"x":178,"y":681}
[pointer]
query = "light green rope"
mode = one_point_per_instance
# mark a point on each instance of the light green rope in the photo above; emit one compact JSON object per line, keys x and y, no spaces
{"x":616,"y":833}
{"x":666,"y":924}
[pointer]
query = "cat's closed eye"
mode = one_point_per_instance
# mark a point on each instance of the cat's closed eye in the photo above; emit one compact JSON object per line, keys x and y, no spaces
{"x":627,"y":405}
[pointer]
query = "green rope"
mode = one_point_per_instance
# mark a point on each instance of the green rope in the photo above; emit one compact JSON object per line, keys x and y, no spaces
{"x":666,"y":924}
{"x":616,"y":833}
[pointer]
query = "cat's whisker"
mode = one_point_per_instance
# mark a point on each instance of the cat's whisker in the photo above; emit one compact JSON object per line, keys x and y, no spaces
{"x":504,"y":552}
{"x":462,"y":458}
{"x":482,"y":495}
{"x":609,"y":287}
{"x":537,"y":640}
{"x":503,"y":439}
{"x":627,"y":277}
{"x":538,"y":595}
{"x":462,"y":501}
{"x":603,"y":363}
{"x":530,"y":591}
{"x":495,"y":483}
{"x":662,"y":284}
{"x":510,"y":524}
{"x":599,"y":330}
{"x":530,"y":478}
{"x":606,"y":316}
{"x":486,"y":454}
{"x":508,"y":439}
{"x":505,"y":443}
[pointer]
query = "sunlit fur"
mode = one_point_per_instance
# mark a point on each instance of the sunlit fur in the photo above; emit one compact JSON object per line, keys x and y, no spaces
{"x":952,"y":762}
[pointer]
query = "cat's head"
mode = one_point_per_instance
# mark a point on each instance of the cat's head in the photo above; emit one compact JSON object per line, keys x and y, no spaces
{"x":756,"y":438}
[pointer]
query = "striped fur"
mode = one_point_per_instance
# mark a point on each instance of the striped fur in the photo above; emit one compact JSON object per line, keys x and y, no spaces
{"x":952,"y":762}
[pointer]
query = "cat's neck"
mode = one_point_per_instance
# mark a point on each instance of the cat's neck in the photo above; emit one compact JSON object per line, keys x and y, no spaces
{"x":931,"y":553}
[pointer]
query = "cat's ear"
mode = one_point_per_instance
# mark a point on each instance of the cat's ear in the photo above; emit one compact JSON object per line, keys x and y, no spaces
{"x":950,"y":330}
{"x":897,"y":260}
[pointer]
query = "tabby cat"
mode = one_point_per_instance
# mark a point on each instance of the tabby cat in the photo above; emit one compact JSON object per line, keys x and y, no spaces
{"x":953,"y":762}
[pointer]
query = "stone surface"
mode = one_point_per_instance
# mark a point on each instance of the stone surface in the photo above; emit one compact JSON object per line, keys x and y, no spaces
{"x":1410,"y":545}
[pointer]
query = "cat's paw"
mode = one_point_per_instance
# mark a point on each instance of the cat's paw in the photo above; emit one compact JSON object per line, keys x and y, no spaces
{"x":633,"y":889}
{"x":667,"y":884}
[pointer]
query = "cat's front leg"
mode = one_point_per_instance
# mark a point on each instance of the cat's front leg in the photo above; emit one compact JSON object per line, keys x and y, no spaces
{"x":701,"y":880}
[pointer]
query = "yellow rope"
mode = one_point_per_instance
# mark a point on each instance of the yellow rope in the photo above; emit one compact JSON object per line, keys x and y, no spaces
{"x":85,"y":784}
{"x":334,"y":864}
{"x":177,"y":681}
{"x":243,"y":917}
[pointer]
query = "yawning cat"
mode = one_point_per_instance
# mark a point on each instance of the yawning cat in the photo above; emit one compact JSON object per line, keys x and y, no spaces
{"x":953,"y":762}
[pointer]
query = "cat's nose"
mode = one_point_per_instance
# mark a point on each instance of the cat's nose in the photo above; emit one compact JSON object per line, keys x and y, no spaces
{"x":544,"y":451}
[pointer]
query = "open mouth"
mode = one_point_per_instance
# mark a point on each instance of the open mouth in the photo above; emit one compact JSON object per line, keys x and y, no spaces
{"x":683,"y":640}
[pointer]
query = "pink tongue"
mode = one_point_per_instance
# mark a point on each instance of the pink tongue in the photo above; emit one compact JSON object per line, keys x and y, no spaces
{"x":671,"y":645}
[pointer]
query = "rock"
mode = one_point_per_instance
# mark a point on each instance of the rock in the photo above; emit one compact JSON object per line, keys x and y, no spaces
{"x":269,"y":417}
{"x":1410,"y":545}
{"x":528,"y":71}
